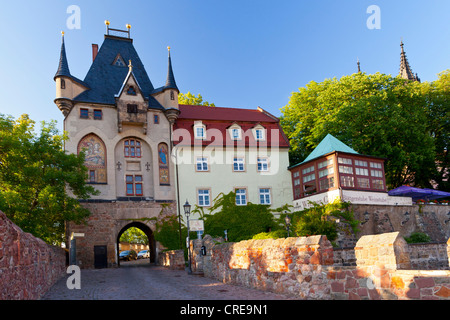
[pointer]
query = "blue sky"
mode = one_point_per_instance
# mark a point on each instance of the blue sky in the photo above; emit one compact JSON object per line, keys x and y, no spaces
{"x":241,"y":54}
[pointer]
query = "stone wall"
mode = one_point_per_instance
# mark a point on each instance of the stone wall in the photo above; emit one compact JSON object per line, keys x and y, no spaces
{"x":28,"y":266}
{"x":173,"y":259}
{"x":305,"y":267}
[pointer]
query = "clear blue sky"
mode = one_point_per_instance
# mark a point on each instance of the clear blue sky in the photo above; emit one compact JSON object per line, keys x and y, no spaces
{"x":236,"y":53}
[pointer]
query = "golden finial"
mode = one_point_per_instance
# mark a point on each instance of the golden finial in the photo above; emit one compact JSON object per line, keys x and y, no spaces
{"x":128,"y":26}
{"x":107,"y":22}
{"x":168,"y":48}
{"x":130,"y":65}
{"x":62,"y":32}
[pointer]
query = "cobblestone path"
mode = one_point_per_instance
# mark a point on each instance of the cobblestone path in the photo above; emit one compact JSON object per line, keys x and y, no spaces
{"x":137,"y":281}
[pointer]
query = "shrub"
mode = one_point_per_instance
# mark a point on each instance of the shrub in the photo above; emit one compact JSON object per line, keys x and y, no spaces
{"x":418,"y":237}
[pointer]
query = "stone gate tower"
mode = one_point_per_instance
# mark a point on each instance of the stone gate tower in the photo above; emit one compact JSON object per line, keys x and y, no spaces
{"x":124,"y":126}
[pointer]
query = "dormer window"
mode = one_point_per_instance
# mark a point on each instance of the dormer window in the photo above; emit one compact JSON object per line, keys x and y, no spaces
{"x":131,"y":91}
{"x":259,"y":133}
{"x":235,"y":132}
{"x":199,"y":130}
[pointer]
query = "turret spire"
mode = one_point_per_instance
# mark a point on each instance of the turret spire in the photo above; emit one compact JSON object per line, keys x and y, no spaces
{"x":405,"y":69}
{"x":170,"y":82}
{"x":63,"y":68}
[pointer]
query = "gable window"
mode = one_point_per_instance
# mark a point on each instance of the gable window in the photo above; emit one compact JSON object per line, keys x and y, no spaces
{"x":241,"y":197}
{"x":199,"y":130}
{"x":264,"y":196}
{"x":84,"y":113}
{"x":118,"y":61}
{"x":202,"y":164}
{"x":134,"y":185}
{"x":131,"y":91}
{"x":203,"y":197}
{"x":238,"y":164}
{"x":132,"y":148}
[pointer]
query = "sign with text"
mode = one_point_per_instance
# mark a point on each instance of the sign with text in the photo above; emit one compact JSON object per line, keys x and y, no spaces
{"x":196,"y":225}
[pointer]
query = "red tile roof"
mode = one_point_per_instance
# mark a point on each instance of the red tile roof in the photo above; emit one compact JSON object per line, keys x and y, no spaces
{"x":218,"y":119}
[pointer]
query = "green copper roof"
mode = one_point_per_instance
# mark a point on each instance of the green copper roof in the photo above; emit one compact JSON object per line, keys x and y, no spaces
{"x":327,"y":145}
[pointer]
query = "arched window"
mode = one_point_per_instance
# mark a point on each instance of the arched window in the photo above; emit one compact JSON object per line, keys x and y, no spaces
{"x":95,"y":157}
{"x":63,"y":84}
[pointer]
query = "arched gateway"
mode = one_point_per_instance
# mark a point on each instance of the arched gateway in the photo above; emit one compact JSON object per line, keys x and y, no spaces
{"x":148,"y":232}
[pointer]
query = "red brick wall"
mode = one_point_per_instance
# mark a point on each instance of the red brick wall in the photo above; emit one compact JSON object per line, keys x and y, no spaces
{"x":28,"y":266}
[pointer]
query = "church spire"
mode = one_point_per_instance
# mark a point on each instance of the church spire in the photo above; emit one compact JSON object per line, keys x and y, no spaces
{"x":359,"y":66}
{"x":170,"y":82}
{"x":63,"y":68}
{"x":405,"y":69}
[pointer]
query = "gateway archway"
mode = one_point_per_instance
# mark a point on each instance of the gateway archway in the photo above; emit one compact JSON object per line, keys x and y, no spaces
{"x":148,"y":232}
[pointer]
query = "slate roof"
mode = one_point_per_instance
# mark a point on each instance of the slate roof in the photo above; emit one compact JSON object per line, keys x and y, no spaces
{"x":63,"y":66}
{"x":105,"y":79}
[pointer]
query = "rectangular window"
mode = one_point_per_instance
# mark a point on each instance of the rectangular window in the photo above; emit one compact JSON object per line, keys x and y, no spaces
{"x":264,"y":196}
{"x":203,"y":198}
{"x":344,"y":160}
{"x":202,"y":164}
{"x":132,"y":108}
{"x":375,"y":165}
{"x":360,"y":163}
{"x":325,"y":184}
{"x":347,"y":181}
{"x":362,"y":171}
{"x":296,"y":174}
{"x":200,"y":132}
{"x":155,"y":119}
{"x":309,"y":178}
{"x":259,"y":134}
{"x":376,"y":173}
{"x":326,"y":172}
{"x":84,"y":113}
{"x":134,"y":185}
{"x":308,"y":170}
{"x":325,"y":163}
{"x":378,"y":184}
{"x":238,"y":164}
{"x":296,"y":182}
{"x":241,"y":197}
{"x":363,"y":183}
{"x":345,"y":169}
{"x":132,"y":148}
{"x":98,"y":115}
{"x":235,"y":134}
{"x":263,"y":164}
{"x":91,"y":175}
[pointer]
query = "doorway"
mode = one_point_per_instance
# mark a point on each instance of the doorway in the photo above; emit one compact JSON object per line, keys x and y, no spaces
{"x":100,"y":257}
{"x":147,"y":231}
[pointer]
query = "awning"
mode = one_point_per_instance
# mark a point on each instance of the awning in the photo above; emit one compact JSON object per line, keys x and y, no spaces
{"x":418,"y":193}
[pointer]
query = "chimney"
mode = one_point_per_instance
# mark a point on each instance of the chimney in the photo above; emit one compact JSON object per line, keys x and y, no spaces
{"x":94,"y":51}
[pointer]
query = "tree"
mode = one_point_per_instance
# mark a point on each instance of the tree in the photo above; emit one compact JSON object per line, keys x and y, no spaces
{"x":134,"y":235}
{"x":377,"y":115}
{"x":36,"y":178}
{"x":193,"y":100}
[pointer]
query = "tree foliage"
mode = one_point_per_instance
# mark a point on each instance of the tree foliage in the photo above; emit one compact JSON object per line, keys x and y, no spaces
{"x":36,"y":177}
{"x":193,"y":100}
{"x":405,"y":122}
{"x":134,"y":235}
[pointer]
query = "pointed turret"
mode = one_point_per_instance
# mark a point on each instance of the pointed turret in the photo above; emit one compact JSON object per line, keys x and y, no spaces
{"x":63,"y":68}
{"x":170,"y":82}
{"x":359,"y":66}
{"x":405,"y":69}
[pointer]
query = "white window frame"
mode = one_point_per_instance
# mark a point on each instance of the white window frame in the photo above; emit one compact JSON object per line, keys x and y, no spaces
{"x":202,"y":161}
{"x":264,"y":162}
{"x":204,"y":195}
{"x":262,"y":130}
{"x":266,"y":195}
{"x":199,"y":125}
{"x":239,"y":161}
{"x":241,"y":196}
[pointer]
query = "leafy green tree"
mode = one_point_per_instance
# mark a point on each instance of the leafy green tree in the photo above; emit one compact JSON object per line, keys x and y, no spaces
{"x":134,"y":235}
{"x":377,"y":115}
{"x":40,"y":184}
{"x":193,"y":100}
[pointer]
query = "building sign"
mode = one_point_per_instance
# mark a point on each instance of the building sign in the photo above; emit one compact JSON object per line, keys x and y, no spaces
{"x":196,"y":225}
{"x":355,"y":197}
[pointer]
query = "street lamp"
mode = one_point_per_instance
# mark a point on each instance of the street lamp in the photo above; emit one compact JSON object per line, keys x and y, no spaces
{"x":287,"y":220}
{"x":187,"y":212}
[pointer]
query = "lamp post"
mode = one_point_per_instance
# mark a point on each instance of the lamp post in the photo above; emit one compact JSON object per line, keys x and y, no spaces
{"x":187,"y":212}
{"x":287,"y":220}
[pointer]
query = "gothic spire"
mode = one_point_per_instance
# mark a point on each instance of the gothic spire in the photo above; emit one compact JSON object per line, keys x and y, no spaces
{"x":405,"y":69}
{"x":170,"y":82}
{"x":63,"y":68}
